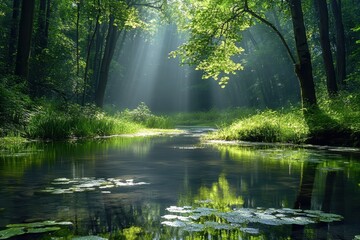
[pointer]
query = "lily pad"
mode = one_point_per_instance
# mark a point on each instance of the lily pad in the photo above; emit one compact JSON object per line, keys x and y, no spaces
{"x":76,"y":185}
{"x":198,"y":219}
{"x":29,"y":228}
{"x":89,"y":238}
{"x":11,"y":232}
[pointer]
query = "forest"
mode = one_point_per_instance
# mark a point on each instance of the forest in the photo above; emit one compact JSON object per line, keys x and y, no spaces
{"x":179,"y":119}
{"x":284,"y":71}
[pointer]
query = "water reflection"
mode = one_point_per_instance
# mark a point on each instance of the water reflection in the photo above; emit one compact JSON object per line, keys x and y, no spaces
{"x":180,"y":172}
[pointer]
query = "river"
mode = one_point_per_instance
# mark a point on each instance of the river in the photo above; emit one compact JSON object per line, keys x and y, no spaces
{"x":175,"y":187}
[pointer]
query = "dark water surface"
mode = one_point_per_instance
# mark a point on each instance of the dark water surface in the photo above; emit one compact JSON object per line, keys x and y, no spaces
{"x":123,"y":188}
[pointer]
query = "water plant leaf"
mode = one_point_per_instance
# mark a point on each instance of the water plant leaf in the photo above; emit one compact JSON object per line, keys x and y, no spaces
{"x":42,"y":229}
{"x":11,"y":232}
{"x":200,"y":218}
{"x":27,"y":228}
{"x":76,"y":185}
{"x":89,"y":238}
{"x":37,"y":224}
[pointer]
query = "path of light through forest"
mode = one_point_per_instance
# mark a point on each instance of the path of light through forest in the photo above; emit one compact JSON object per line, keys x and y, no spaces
{"x":143,"y":72}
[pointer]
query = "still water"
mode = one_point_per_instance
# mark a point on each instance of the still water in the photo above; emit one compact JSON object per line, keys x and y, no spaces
{"x":174,"y":187}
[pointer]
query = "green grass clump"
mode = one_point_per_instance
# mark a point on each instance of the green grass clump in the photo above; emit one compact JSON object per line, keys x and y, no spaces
{"x":11,"y":142}
{"x":52,"y":123}
{"x":143,"y":115}
{"x":267,"y":126}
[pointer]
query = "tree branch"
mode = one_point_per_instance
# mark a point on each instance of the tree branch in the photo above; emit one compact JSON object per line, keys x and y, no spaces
{"x":269,"y":24}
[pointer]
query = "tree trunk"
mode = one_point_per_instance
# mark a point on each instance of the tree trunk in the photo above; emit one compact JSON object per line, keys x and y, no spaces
{"x":322,"y":10}
{"x":47,"y":23}
{"x":41,"y":27}
{"x":340,"y":42}
{"x":303,"y":68}
{"x":111,"y":39}
{"x":24,"y":42}
{"x":77,"y":39}
{"x":13,"y":32}
{"x":91,"y":42}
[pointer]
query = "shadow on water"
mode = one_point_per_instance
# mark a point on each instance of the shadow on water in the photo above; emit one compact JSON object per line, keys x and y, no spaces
{"x":174,"y":187}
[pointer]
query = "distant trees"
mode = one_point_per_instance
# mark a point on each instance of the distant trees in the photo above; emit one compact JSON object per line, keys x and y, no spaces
{"x":65,"y":48}
{"x":69,"y":44}
{"x":24,"y":39}
{"x":215,"y":38}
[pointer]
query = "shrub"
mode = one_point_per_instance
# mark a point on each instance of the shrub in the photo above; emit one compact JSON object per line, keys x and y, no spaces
{"x":14,"y":106}
{"x":143,"y":115}
{"x":52,"y":123}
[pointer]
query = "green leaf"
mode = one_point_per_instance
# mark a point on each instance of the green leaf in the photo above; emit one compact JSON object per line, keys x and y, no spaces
{"x":11,"y":232}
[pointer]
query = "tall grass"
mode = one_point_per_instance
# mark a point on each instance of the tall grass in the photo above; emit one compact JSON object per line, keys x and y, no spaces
{"x":143,"y":115}
{"x":336,"y":122}
{"x":267,"y":126}
{"x":51,"y":123}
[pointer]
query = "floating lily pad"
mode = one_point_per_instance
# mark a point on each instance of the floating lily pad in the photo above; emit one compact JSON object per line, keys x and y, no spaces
{"x":198,"y":219}
{"x":11,"y":232}
{"x":29,"y":228}
{"x":75,"y":185}
{"x":89,"y":238}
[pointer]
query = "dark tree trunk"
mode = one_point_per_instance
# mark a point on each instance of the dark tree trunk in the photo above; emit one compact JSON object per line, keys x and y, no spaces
{"x":24,"y":42}
{"x":303,"y":68}
{"x":99,"y":46}
{"x":43,"y":25}
{"x":111,"y":39}
{"x":340,"y":42}
{"x":322,"y":10}
{"x":14,"y":29}
{"x":77,"y":39}
{"x":91,"y":42}
{"x":47,"y":23}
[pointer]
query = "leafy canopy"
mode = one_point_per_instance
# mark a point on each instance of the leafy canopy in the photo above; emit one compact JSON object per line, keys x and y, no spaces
{"x":214,"y":32}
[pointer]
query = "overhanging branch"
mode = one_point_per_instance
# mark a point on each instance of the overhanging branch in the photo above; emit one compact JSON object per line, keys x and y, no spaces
{"x":269,"y":24}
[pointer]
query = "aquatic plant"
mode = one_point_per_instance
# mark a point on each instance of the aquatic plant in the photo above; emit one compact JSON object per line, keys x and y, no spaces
{"x":18,"y":229}
{"x":75,"y":185}
{"x":246,"y":219}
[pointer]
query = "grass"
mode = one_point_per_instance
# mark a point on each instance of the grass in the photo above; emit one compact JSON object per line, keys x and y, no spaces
{"x":11,"y":143}
{"x":336,"y":122}
{"x":54,"y":122}
{"x":267,"y":126}
{"x":213,"y":118}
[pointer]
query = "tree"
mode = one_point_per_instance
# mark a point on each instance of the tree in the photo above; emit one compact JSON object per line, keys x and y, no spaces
{"x":24,"y":41}
{"x":13,"y":37}
{"x":215,"y":31}
{"x":322,"y":9}
{"x":340,"y":41}
{"x":122,"y":16}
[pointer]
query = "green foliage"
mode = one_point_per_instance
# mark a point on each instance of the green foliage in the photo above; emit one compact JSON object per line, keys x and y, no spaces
{"x":267,"y":126}
{"x":211,"y":118}
{"x":143,"y":115}
{"x":213,"y":38}
{"x":14,"y":106}
{"x":76,"y":121}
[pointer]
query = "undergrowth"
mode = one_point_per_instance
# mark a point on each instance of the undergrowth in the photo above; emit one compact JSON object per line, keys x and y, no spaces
{"x":50,"y":122}
{"x":336,"y":122}
{"x":267,"y":126}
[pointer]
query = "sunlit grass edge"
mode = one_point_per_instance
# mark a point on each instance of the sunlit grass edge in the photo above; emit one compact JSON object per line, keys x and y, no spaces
{"x":336,"y":122}
{"x":266,"y":126}
{"x":75,"y":122}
